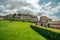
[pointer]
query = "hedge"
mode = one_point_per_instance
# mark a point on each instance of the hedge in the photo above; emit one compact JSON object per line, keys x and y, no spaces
{"x":48,"y":33}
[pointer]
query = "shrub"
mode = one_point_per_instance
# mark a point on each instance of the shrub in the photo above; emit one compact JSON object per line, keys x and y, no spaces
{"x":49,"y":33}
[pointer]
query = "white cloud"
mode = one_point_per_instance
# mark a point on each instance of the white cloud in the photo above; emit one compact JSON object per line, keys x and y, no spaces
{"x":50,"y":11}
{"x":30,"y":7}
{"x":59,"y":3}
{"x":8,"y":6}
{"x":2,"y":7}
{"x":56,"y":9}
{"x":47,"y":4}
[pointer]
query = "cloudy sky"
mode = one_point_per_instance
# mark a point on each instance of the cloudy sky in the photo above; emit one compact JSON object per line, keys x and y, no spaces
{"x":49,"y":8}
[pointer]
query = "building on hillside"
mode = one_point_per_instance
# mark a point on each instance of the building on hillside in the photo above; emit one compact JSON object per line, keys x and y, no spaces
{"x":8,"y":16}
{"x":33,"y":18}
{"x":45,"y":21}
{"x":1,"y":17}
{"x":55,"y":24}
{"x":23,"y":17}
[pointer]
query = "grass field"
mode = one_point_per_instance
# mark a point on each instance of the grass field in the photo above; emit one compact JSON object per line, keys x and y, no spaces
{"x":17,"y":30}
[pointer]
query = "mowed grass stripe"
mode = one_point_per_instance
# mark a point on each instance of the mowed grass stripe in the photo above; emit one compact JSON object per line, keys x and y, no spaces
{"x":17,"y":30}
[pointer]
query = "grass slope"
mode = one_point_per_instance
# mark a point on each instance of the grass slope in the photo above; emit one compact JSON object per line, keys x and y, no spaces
{"x":17,"y":30}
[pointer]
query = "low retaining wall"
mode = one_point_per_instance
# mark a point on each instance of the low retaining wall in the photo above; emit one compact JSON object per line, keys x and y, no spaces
{"x":48,"y":33}
{"x":55,"y":26}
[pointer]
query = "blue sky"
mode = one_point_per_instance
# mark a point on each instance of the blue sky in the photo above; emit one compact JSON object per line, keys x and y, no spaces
{"x":49,"y":8}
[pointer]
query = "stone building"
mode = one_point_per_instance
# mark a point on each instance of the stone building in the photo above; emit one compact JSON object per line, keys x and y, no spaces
{"x":55,"y":24}
{"x":44,"y":21}
{"x":23,"y":17}
{"x":2,"y":17}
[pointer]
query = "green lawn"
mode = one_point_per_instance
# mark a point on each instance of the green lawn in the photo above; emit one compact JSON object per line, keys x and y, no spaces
{"x":17,"y":30}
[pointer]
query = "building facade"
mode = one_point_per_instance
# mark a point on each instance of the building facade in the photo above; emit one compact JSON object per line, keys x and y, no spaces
{"x":55,"y":24}
{"x":45,"y":21}
{"x":23,"y":17}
